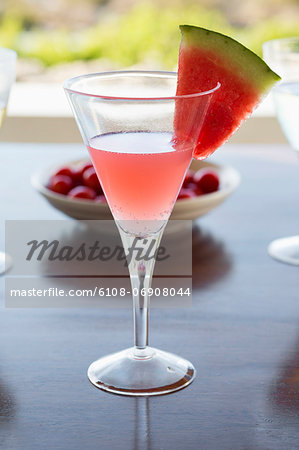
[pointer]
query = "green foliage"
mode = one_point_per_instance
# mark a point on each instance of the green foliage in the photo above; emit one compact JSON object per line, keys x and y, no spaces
{"x":145,"y":33}
{"x":265,"y":31}
{"x":10,"y":28}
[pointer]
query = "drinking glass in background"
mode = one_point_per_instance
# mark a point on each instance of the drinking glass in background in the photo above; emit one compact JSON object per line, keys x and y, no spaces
{"x":282,"y":55}
{"x":7,"y":76}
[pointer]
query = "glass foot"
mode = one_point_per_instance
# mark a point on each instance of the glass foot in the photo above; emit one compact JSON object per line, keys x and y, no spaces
{"x":5,"y":262}
{"x":285,"y":250}
{"x":153,"y":372}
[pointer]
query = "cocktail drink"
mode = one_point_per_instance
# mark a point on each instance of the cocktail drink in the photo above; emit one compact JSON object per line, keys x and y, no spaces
{"x":132,"y":161}
{"x":283,"y":56}
{"x":142,"y":130}
{"x":7,"y":76}
{"x":141,"y":164}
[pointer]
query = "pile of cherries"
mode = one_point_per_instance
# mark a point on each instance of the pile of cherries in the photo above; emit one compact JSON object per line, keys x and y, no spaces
{"x":82,"y":183}
{"x":79,"y":182}
{"x":204,"y":181}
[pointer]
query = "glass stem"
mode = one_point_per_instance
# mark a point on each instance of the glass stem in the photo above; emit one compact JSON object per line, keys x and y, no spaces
{"x":141,"y":256}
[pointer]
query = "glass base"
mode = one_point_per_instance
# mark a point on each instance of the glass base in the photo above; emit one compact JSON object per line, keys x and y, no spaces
{"x":285,"y":250}
{"x":141,"y":372}
{"x":5,"y":262}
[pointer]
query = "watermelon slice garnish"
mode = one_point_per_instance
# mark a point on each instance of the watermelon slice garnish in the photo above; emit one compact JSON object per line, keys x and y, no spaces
{"x":206,"y":58}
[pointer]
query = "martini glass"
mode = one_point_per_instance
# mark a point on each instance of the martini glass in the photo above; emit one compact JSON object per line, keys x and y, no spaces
{"x":140,"y":137}
{"x":7,"y":76}
{"x":282,"y":55}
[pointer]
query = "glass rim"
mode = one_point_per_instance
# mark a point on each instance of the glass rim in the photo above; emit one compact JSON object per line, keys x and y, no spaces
{"x":7,"y":53}
{"x":154,"y":73}
{"x":283,"y":87}
{"x":284,"y":39}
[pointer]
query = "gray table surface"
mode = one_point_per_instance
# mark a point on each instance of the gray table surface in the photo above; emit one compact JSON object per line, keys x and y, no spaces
{"x":241,"y":333}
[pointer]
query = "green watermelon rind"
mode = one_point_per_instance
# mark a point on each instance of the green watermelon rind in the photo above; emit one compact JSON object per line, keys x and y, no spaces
{"x":235,"y":55}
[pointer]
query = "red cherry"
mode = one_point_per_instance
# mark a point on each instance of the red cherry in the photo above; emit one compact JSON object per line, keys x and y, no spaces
{"x":79,"y":171}
{"x":186,"y":193}
{"x":207,"y":180}
{"x":101,"y":199}
{"x":61,"y":184}
{"x":188,"y":178}
{"x":77,"y":176}
{"x":198,"y":191}
{"x":91,"y":180}
{"x":86,"y":166}
{"x":82,"y":192}
{"x":195,"y":188}
{"x":65,"y":170}
{"x":191,"y":186}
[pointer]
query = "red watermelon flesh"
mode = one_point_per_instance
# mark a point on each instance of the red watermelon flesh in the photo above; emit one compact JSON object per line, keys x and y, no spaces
{"x":206,"y":58}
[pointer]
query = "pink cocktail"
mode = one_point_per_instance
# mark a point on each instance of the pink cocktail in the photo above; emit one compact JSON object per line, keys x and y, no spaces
{"x":141,"y":173}
{"x":140,"y":136}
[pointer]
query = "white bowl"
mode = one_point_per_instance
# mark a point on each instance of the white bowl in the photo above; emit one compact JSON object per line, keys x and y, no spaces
{"x":187,"y":209}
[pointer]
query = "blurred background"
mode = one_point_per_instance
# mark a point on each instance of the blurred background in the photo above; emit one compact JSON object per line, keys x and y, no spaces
{"x":60,"y":38}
